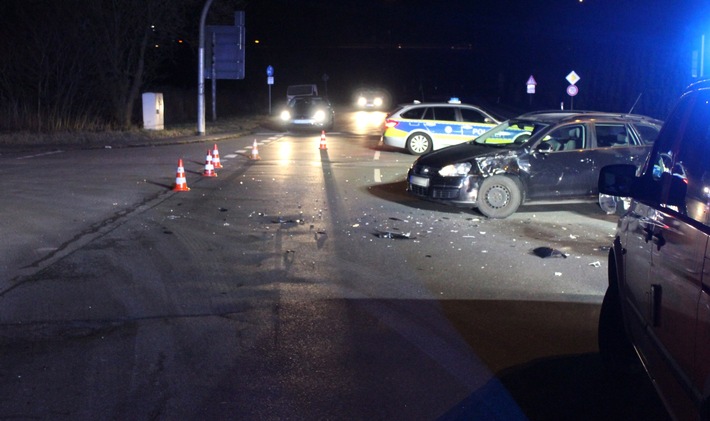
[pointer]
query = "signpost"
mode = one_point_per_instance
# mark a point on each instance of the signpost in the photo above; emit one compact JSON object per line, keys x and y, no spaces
{"x":201,"y":72}
{"x":531,"y":83}
{"x":226,"y":53}
{"x":269,"y":81}
{"x":325,"y":81}
{"x":572,"y":89}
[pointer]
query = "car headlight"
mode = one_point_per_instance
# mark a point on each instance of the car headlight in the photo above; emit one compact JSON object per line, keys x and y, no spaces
{"x":377,"y":102}
{"x":285,"y":115}
{"x":453,"y":170}
{"x":361,"y":101}
{"x":319,"y":115}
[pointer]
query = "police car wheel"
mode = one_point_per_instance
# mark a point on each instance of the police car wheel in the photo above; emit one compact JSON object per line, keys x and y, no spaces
{"x":499,"y":196}
{"x":419,"y":143}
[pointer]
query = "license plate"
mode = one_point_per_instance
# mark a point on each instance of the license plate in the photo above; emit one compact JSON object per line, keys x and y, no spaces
{"x":419,"y":181}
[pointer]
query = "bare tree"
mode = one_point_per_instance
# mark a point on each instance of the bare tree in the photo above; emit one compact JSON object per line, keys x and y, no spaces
{"x":81,"y":61}
{"x":43,"y":75}
{"x":132,"y":37}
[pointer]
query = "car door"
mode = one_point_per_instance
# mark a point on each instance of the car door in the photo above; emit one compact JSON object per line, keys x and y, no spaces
{"x":474,"y":123}
{"x":445,"y":127}
{"x":618,"y":143}
{"x":563,"y":172}
{"x":672,"y":234}
{"x":615,"y":143}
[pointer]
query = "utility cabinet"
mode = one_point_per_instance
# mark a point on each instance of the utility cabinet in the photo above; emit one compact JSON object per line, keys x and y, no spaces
{"x":153,"y":109}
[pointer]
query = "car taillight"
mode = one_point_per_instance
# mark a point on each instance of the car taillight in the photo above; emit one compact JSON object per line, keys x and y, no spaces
{"x":391,"y":123}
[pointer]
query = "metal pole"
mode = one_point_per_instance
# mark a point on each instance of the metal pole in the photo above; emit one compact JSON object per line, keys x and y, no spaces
{"x":214,"y":80}
{"x":201,"y":72}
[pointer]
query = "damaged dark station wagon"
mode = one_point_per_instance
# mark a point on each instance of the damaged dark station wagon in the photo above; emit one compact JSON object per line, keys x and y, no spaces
{"x":556,"y":157}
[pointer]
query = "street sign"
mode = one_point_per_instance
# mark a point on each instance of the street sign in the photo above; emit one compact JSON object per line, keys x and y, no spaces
{"x":572,"y":90}
{"x":269,"y":71}
{"x":531,"y":84}
{"x":224,"y":50}
{"x":573,"y":77}
{"x":270,"y":80}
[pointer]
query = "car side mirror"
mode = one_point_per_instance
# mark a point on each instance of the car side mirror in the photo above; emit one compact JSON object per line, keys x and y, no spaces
{"x":620,"y":180}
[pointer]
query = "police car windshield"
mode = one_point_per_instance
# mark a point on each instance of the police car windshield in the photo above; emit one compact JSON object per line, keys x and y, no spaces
{"x":510,"y":134}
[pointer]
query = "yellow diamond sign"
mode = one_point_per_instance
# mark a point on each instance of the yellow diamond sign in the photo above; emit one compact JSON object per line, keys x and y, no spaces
{"x":572,"y":77}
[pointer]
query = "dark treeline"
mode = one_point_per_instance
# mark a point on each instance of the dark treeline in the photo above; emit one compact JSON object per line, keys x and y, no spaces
{"x":82,"y":64}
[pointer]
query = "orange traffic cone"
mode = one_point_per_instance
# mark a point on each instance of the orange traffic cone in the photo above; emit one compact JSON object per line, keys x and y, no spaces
{"x":209,"y":167}
{"x":180,"y":181}
{"x":254,"y":151}
{"x":322,"y":140}
{"x":215,"y":157}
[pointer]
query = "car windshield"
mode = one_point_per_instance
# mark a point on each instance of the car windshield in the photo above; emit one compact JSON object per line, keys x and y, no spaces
{"x":510,"y":133}
{"x":303,"y":103}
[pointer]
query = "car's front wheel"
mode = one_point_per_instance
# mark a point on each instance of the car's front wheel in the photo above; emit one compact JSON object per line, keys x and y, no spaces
{"x":499,"y":196}
{"x":419,"y":143}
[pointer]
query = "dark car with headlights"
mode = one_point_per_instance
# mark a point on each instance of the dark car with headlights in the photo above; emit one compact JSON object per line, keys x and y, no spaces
{"x":308,"y":112}
{"x":540,"y":157}
{"x":371,"y":99}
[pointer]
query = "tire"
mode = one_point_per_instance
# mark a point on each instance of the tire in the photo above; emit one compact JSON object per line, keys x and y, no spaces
{"x":419,"y":143}
{"x":499,"y":196}
{"x":608,"y":203}
{"x":615,"y":349}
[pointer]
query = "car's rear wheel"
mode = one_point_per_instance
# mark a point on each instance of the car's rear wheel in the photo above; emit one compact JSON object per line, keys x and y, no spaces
{"x":607,"y":203}
{"x":419,"y":143}
{"x":616,"y":351}
{"x":613,"y":204}
{"x":499,"y":196}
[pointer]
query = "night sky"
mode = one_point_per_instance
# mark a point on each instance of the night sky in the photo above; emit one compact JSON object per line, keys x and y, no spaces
{"x":482,"y":51}
{"x":480,"y":48}
{"x":350,"y":21}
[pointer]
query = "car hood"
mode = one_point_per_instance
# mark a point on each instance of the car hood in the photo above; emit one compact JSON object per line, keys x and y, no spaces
{"x":463,"y":152}
{"x":488,"y":159}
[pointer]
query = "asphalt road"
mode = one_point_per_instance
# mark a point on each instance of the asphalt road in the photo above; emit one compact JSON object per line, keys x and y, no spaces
{"x":268,"y":292}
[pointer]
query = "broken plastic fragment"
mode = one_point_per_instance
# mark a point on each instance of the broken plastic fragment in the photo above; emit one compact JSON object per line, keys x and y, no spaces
{"x":546,"y":252}
{"x":596,"y":264}
{"x":394,"y":235}
{"x":281,"y":220}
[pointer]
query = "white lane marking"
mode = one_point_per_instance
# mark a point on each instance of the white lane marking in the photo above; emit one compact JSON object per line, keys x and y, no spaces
{"x":231,"y":155}
{"x":378,"y":176}
{"x":377,"y":155}
{"x":39,"y":154}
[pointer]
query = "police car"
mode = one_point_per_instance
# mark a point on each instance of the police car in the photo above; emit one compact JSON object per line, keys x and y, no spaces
{"x":422,"y":127}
